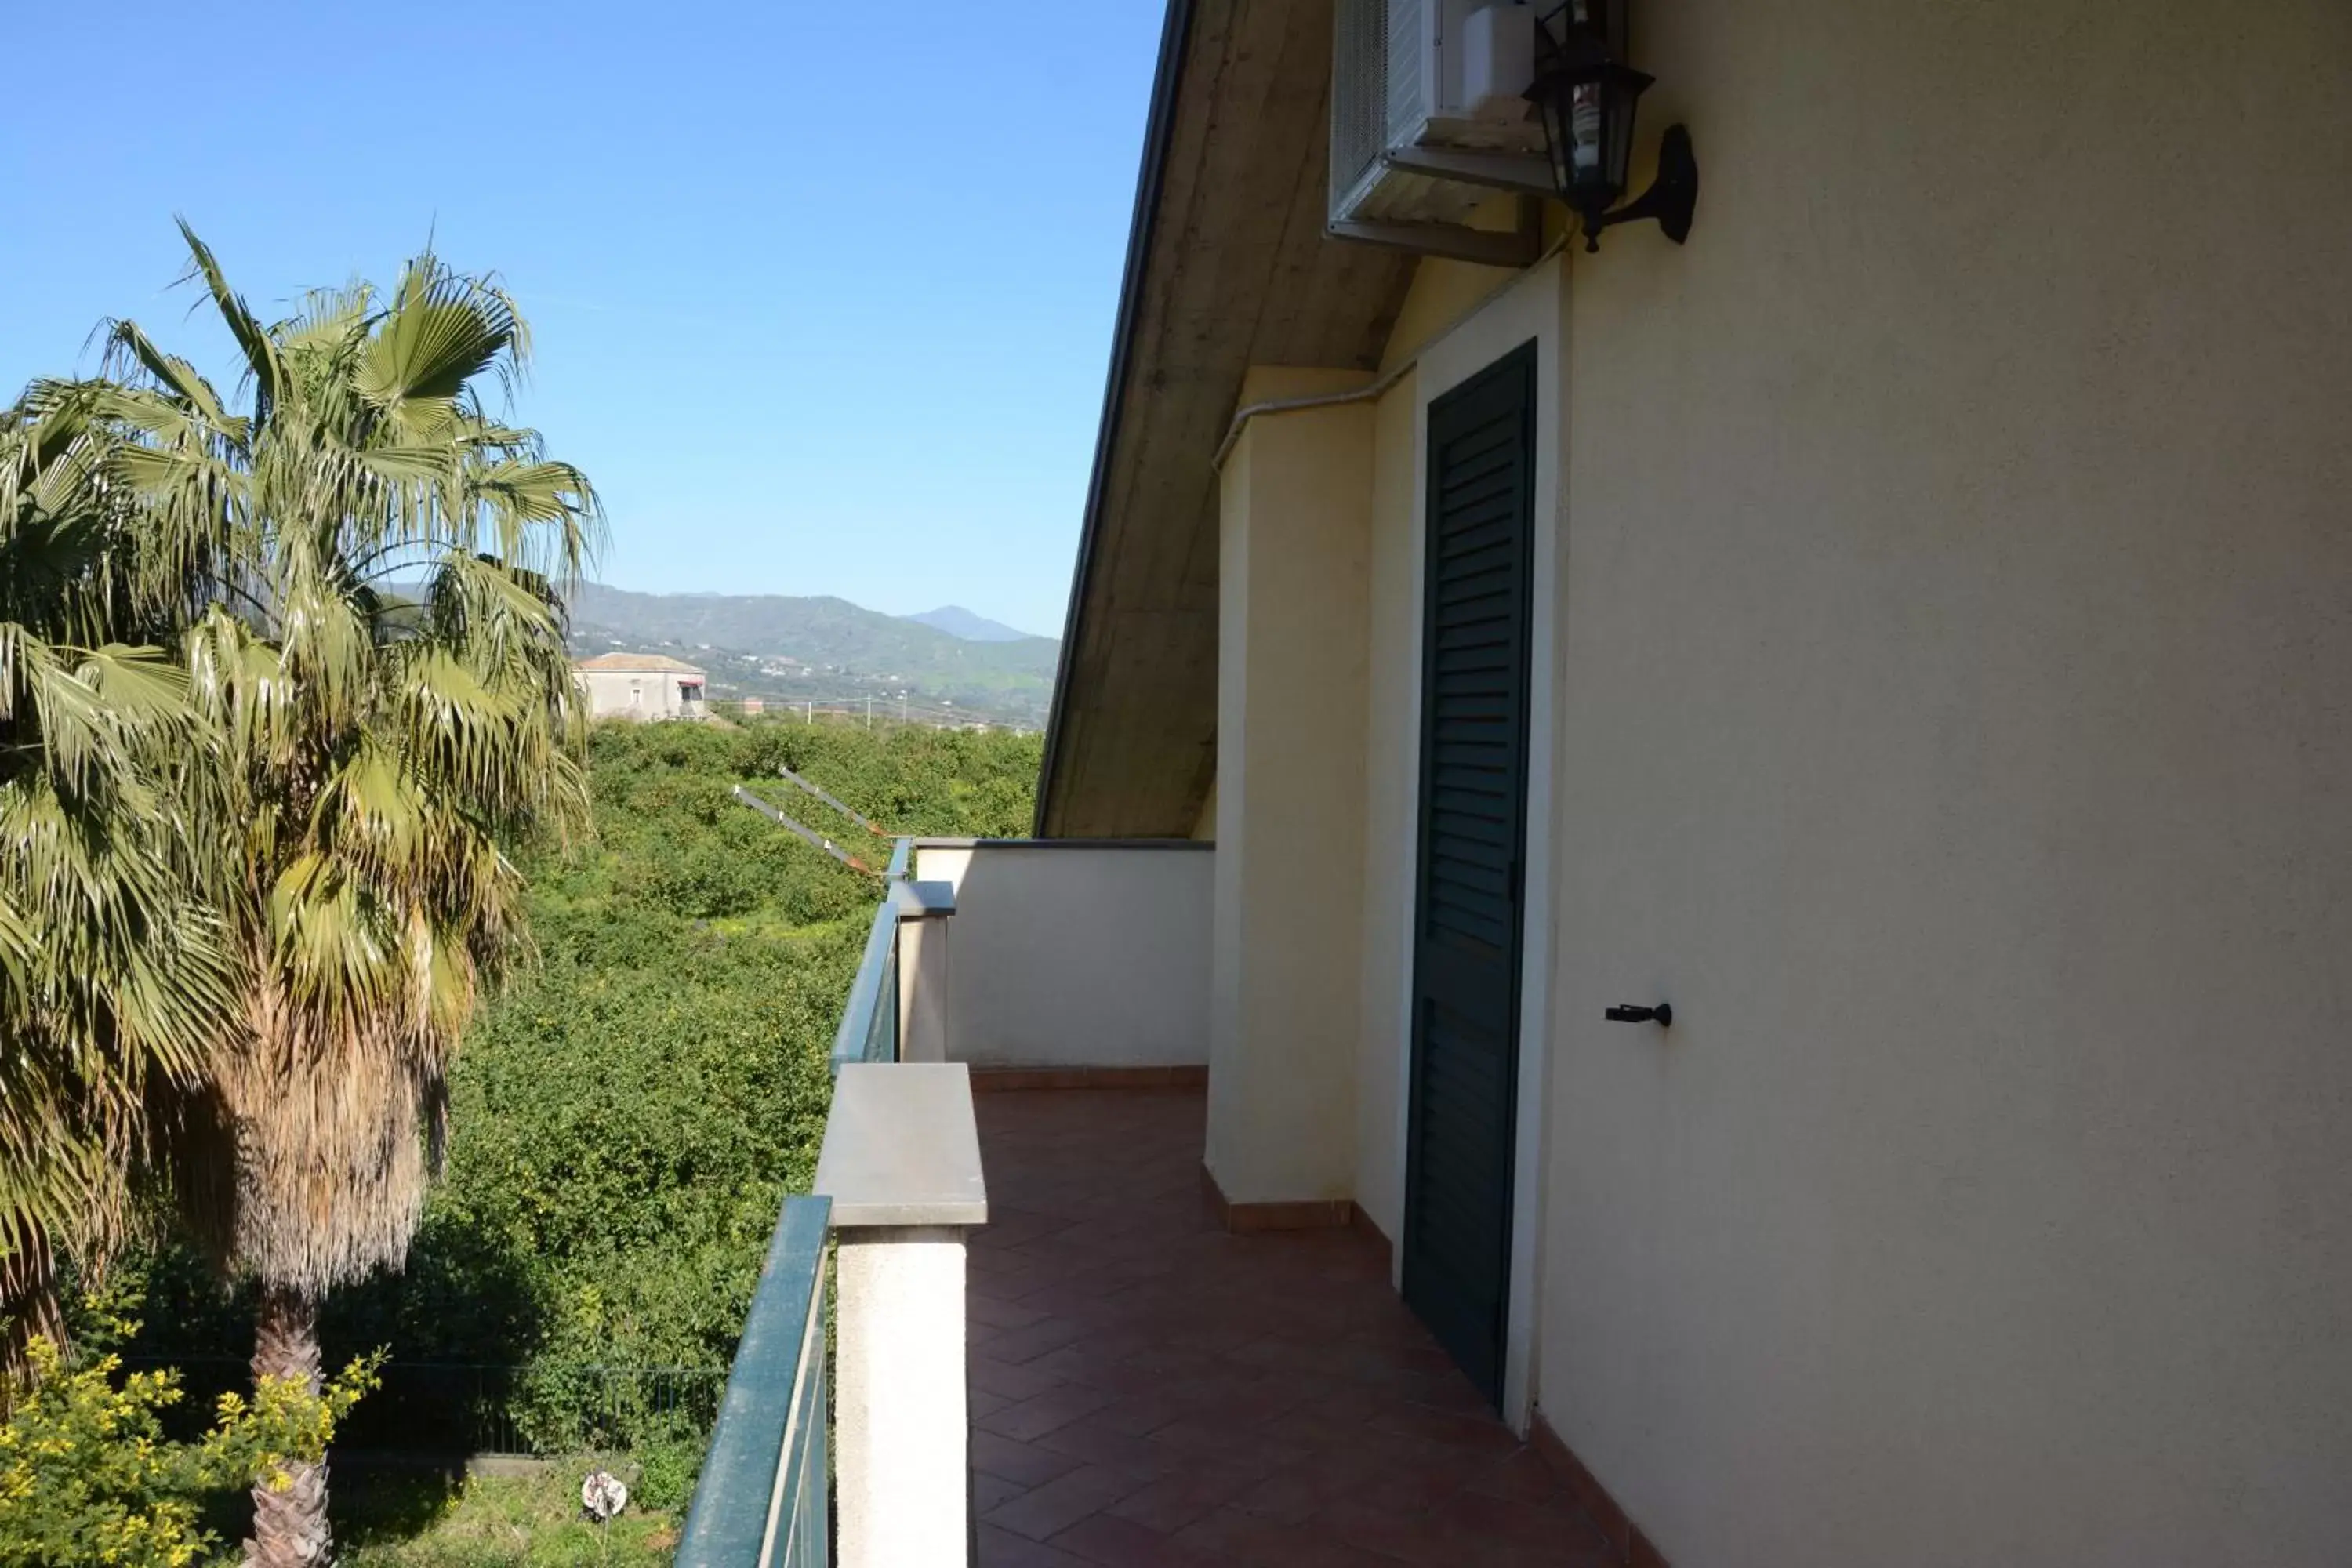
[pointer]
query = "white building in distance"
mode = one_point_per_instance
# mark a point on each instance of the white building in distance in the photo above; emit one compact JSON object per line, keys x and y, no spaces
{"x":641,"y":686}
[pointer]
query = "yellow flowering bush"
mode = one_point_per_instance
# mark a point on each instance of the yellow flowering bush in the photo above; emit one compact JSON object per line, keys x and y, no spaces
{"x":87,"y":1477}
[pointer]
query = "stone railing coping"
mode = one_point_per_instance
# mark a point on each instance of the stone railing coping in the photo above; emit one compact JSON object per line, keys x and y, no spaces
{"x":923,"y":900}
{"x":901,"y":1147}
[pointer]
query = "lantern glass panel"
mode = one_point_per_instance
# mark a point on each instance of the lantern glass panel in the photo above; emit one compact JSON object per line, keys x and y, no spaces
{"x":1589,"y":119}
{"x":1620,"y":95}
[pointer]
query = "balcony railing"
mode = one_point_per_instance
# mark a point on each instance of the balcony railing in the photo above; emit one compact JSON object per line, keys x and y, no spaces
{"x":869,"y":1024}
{"x":1076,"y":955}
{"x":766,"y":1493}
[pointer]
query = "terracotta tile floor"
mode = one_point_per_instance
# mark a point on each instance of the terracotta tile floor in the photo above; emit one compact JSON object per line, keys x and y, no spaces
{"x":1150,"y":1390}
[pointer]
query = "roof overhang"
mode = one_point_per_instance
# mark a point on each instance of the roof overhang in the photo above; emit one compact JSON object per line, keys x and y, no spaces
{"x":1227,"y":267}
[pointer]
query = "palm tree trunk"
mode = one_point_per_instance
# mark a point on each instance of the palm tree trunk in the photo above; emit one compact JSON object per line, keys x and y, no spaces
{"x":289,"y":1525}
{"x":28,"y":1302}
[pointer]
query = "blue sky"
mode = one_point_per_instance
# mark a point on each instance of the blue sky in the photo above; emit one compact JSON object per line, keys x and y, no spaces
{"x":823,"y":293}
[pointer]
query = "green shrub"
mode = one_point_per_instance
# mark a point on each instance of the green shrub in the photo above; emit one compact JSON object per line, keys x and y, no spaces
{"x":87,"y":1474}
{"x":667,"y":1472}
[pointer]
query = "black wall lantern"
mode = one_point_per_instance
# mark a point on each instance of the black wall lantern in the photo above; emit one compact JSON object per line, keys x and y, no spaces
{"x":1586,"y":94}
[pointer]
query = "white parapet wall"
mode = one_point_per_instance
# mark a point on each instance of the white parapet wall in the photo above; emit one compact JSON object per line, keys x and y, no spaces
{"x":1067,"y":953}
{"x":901,"y":1164}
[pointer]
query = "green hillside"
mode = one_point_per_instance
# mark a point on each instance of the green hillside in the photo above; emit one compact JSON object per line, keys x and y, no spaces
{"x":824,"y":651}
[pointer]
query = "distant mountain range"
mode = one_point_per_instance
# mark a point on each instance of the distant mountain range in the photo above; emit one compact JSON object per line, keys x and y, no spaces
{"x":959,"y":622}
{"x":950,"y":664}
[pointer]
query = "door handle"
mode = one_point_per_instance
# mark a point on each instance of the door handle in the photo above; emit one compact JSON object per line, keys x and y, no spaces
{"x":1663,"y":1014}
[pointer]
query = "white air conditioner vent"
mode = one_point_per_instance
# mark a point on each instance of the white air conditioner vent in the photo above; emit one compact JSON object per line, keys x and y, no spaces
{"x":1426,"y":119}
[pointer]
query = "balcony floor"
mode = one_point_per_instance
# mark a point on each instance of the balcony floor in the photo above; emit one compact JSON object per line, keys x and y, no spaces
{"x":1148,"y":1390}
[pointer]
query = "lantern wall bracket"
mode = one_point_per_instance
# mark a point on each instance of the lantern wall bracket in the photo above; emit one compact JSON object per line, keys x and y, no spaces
{"x":1671,"y":198}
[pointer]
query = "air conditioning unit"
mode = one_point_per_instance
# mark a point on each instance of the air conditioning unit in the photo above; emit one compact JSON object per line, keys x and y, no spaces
{"x":1427,"y":123}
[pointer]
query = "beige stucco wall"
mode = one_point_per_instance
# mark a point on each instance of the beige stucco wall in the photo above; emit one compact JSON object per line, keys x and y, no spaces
{"x":1951,"y":697}
{"x":1286,"y":948}
{"x":1948,"y":668}
{"x":1071,"y":956}
{"x":1390,"y":783}
{"x":1957,"y":728}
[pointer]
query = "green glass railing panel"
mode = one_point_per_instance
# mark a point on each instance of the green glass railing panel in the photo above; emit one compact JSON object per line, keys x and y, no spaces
{"x":882,"y":1026}
{"x":763,"y":1497}
{"x":804,"y":1538}
{"x":869,"y":1023}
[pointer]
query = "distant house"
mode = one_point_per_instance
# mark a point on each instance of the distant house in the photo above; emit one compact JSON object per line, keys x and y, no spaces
{"x":640,"y":686}
{"x":754,"y":705}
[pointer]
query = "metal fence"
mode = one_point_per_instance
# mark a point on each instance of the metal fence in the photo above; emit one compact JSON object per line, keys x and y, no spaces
{"x":537,"y":1409}
{"x":543,"y":1410}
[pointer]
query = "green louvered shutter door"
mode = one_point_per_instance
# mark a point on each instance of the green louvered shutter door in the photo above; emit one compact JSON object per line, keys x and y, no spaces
{"x":1473,"y":768}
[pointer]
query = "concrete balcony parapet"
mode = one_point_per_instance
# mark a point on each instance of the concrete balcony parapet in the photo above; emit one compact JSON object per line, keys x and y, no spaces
{"x":901,"y":1166}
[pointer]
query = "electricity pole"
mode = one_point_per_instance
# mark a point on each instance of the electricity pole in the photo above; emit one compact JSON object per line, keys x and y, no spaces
{"x":869,"y":709}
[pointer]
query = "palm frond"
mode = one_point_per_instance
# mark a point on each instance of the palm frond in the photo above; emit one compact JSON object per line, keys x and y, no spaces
{"x":172,"y":373}
{"x":262,"y":366}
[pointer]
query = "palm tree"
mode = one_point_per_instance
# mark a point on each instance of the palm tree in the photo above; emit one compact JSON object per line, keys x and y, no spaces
{"x":381,"y":662}
{"x":113,"y":974}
